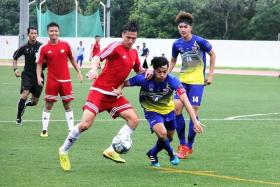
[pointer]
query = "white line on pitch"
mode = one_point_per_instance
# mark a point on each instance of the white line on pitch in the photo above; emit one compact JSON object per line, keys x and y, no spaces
{"x":251,"y":115}
{"x":58,"y":120}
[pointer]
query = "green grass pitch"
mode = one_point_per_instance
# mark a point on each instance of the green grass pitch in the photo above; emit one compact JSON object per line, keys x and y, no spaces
{"x":240,"y":152}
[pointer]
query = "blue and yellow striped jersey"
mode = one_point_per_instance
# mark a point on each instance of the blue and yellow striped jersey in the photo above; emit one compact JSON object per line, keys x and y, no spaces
{"x":157,"y":96}
{"x":193,"y":58}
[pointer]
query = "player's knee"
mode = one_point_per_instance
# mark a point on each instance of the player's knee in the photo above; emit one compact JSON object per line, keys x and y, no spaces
{"x":162,"y":135}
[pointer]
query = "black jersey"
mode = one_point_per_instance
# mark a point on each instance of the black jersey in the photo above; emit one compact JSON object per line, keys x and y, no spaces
{"x":29,"y":51}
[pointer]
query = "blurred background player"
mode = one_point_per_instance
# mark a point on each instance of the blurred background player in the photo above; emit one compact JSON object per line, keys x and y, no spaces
{"x":120,"y":60}
{"x":156,"y":98}
{"x":144,"y":54}
{"x":55,"y":54}
{"x":28,"y":75}
{"x":193,"y":51}
{"x":95,"y":48}
{"x":80,"y":53}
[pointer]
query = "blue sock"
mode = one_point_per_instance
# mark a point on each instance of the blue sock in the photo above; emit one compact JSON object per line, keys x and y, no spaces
{"x":167,"y":147}
{"x":157,"y":148}
{"x":180,"y":128}
{"x":191,"y":135}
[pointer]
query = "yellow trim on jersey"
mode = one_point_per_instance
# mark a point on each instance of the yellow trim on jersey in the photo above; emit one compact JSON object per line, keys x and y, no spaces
{"x":192,"y":75}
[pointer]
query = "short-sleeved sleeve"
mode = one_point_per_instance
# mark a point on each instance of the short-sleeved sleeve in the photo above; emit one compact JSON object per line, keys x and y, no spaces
{"x":137,"y":80}
{"x":175,"y":51}
{"x":205,"y":45}
{"x":69,"y":51}
{"x":18,"y":53}
{"x":176,"y":85}
{"x":109,"y":51}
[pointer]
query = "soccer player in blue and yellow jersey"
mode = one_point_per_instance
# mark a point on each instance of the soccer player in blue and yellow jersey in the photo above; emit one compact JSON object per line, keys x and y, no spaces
{"x":193,"y":51}
{"x":156,"y":98}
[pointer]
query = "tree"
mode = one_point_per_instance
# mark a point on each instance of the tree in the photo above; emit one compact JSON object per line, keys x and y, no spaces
{"x":9,"y":17}
{"x":266,"y":24}
{"x":156,"y":18}
{"x":120,"y":11}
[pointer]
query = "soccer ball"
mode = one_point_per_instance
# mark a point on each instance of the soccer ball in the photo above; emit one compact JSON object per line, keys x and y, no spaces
{"x":122,"y":144}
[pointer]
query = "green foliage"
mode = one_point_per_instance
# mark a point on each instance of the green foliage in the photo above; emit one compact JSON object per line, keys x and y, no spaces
{"x":120,"y":11}
{"x":214,"y":19}
{"x":9,"y":17}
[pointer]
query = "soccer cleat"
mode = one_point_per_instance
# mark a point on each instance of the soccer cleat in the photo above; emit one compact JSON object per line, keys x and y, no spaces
{"x":64,"y":161}
{"x":153,"y":159}
{"x":19,"y":122}
{"x":174,"y":160}
{"x":184,"y":152}
{"x":44,"y":133}
{"x":112,"y":155}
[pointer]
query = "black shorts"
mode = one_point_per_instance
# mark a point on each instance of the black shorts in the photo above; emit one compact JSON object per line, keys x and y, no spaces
{"x":29,"y":82}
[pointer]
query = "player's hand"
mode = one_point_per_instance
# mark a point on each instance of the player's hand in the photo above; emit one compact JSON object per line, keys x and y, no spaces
{"x":117,"y":91}
{"x":149,"y":74}
{"x":92,"y":74}
{"x":80,"y":76}
{"x":40,"y":81}
{"x":17,"y":73}
{"x":209,"y":79}
{"x":198,"y":127}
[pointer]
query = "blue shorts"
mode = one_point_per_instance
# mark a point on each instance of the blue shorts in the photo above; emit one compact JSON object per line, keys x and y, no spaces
{"x":169,"y":120}
{"x":194,"y":93}
{"x":80,"y":58}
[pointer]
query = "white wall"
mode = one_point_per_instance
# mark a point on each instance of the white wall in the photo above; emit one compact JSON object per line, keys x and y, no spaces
{"x":230,"y":53}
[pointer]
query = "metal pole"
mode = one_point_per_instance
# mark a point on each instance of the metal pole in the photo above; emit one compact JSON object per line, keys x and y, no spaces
{"x":108,"y":6}
{"x":76,"y":2}
{"x":40,"y":17}
{"x":24,"y":21}
{"x":279,"y":36}
{"x":31,"y":2}
{"x":104,"y":17}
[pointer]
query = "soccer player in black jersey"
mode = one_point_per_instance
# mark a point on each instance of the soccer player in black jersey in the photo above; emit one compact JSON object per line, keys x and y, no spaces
{"x":28,"y":76}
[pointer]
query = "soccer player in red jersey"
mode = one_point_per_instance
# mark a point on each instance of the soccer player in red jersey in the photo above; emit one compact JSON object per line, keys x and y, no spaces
{"x":120,"y":60}
{"x":56,"y":54}
{"x":95,"y":48}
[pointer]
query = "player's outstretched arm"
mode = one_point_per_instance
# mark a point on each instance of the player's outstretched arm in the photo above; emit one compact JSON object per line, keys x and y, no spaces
{"x":210,"y":77}
{"x":76,"y":67}
{"x":17,"y":73}
{"x":198,"y":127}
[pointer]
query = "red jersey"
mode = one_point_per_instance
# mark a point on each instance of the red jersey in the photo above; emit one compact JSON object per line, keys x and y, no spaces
{"x":119,"y":63}
{"x":56,"y":57}
{"x":95,"y":49}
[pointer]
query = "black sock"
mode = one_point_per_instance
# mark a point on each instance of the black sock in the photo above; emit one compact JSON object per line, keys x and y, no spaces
{"x":21,"y":107}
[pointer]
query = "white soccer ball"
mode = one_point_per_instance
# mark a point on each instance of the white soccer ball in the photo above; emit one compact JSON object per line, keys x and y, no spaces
{"x":122,"y":144}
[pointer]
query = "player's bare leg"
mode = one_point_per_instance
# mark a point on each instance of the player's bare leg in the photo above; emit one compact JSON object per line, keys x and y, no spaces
{"x":131,"y":118}
{"x":85,"y":123}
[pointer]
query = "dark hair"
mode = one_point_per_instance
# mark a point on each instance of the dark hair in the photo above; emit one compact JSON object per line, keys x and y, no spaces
{"x":184,"y":17}
{"x":52,"y":24}
{"x":31,"y":28}
{"x":130,"y":27}
{"x":158,"y":62}
{"x":97,"y":36}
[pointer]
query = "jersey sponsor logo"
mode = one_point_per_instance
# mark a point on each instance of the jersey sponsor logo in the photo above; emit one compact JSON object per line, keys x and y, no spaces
{"x":49,"y":51}
{"x":62,"y":51}
{"x":124,"y":57}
